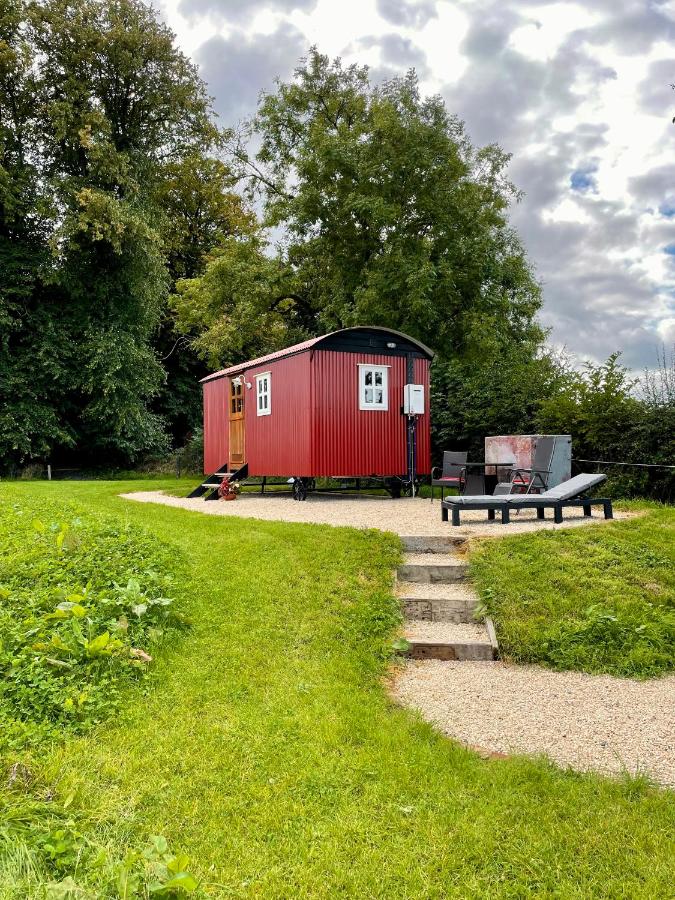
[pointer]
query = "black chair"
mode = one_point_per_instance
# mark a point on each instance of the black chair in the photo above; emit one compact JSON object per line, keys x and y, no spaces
{"x":452,"y":474}
{"x":526,"y":480}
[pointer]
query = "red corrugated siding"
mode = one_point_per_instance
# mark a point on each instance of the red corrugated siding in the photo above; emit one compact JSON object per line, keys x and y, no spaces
{"x":316,"y":427}
{"x":346,"y":440}
{"x":279,"y":444}
{"x":215,"y":424}
{"x":424,"y":422}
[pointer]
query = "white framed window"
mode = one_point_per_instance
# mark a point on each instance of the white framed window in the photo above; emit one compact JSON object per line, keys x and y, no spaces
{"x":263,"y":392}
{"x":373,"y":386}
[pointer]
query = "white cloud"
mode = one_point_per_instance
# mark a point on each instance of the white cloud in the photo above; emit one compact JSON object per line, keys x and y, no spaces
{"x":546,"y":27}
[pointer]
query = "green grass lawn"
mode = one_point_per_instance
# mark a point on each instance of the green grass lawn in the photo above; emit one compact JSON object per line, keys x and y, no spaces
{"x":598,"y":599}
{"x":264,"y":745}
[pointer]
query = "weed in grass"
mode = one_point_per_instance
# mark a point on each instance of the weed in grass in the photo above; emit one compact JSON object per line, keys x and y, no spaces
{"x":81,"y":600}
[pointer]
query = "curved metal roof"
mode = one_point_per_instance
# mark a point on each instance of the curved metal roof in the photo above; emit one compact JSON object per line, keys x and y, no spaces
{"x":311,"y":343}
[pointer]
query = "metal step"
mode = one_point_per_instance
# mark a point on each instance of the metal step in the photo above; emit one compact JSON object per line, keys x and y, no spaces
{"x":211,"y":484}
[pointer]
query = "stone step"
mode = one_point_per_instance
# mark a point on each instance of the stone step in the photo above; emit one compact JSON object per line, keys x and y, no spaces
{"x":455,"y":602}
{"x":448,"y":641}
{"x":431,"y":543}
{"x":435,"y":568}
{"x":416,"y":610}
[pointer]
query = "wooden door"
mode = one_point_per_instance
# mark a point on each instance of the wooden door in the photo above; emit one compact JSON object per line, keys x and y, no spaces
{"x":237,"y":455}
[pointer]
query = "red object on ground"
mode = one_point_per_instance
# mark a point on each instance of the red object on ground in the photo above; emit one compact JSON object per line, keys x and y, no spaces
{"x":306,"y":412}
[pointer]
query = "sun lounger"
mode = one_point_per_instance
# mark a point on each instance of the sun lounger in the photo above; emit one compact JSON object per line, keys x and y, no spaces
{"x":568,"y":494}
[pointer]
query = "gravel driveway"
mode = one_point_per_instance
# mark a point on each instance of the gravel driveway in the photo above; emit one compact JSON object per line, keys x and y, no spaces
{"x":586,"y":722}
{"x":406,"y":516}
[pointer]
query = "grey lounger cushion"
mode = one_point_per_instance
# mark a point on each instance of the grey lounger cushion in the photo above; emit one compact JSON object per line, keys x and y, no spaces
{"x":569,"y":489}
{"x":477,"y":500}
{"x":580,"y":484}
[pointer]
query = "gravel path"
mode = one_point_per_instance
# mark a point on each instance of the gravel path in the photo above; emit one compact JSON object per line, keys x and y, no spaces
{"x":583,"y":721}
{"x":406,"y":516}
{"x":421,"y":630}
{"x":429,"y":590}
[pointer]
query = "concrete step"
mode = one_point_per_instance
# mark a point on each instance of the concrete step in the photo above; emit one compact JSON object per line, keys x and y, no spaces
{"x":448,"y":641}
{"x":439,"y":602}
{"x":432,"y":567}
{"x":431,"y":543}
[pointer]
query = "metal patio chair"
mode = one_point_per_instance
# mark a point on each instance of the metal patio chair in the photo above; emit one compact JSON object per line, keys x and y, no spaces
{"x":523,"y":480}
{"x":452,"y":474}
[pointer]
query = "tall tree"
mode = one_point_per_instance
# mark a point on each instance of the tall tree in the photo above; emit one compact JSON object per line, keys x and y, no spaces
{"x":119,"y":104}
{"x":199,"y":210}
{"x":387,"y":216}
{"x":31,"y":373}
{"x":391,"y":216}
{"x":100,"y":116}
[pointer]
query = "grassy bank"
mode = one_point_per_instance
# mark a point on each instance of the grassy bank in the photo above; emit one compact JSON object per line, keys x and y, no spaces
{"x":264,"y":746}
{"x":594,"y":599}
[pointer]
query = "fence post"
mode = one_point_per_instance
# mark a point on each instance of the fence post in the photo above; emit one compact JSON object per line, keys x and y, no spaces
{"x":49,"y":472}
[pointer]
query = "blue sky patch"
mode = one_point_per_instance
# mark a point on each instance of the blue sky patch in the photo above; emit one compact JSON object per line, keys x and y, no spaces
{"x":583,"y":180}
{"x":669,"y":249}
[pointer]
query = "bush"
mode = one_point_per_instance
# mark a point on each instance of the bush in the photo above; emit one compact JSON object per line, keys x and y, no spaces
{"x":610,"y":415}
{"x":82,"y":601}
{"x":614,"y":417}
{"x":192,"y":454}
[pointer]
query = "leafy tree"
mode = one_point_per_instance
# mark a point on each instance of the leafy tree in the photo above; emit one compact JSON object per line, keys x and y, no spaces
{"x":29,"y":342}
{"x":100,"y":116}
{"x":120,"y":104}
{"x":233,"y":308}
{"x":386,"y":215}
{"x":199,"y":209}
{"x":390,"y":216}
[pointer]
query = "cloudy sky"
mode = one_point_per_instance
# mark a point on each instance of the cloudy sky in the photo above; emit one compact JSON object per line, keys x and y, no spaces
{"x":578,"y":93}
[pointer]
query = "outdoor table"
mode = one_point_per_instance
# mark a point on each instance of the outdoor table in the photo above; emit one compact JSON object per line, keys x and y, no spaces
{"x":480,"y":481}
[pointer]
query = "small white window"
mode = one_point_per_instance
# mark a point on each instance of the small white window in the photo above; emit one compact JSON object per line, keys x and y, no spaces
{"x":263,"y":394}
{"x":373,"y":387}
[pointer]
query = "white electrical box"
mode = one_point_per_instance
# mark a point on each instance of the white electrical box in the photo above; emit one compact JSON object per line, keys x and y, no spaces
{"x":413,"y":399}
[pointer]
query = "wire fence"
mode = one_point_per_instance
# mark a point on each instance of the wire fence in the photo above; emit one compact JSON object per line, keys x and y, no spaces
{"x":609,"y":462}
{"x":634,"y":479}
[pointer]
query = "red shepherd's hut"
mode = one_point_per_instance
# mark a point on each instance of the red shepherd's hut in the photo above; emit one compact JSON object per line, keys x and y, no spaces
{"x":353,"y":404}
